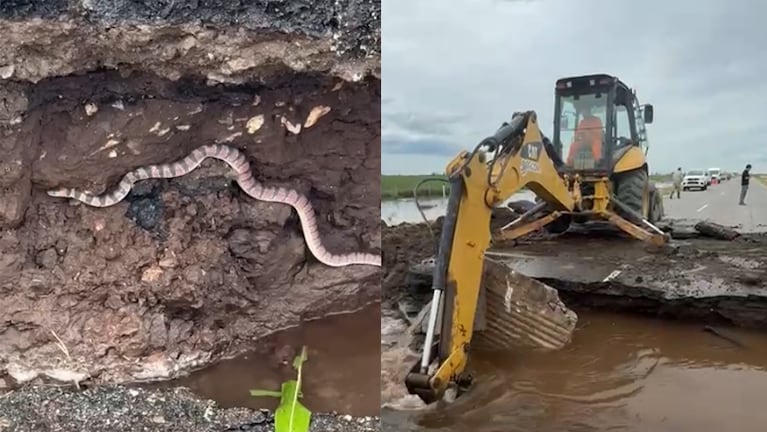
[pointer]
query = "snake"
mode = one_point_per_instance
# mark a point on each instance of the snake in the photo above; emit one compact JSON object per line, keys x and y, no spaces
{"x":239,"y":163}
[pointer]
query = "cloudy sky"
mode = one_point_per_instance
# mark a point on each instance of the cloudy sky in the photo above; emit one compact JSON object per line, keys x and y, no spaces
{"x":454,"y":70}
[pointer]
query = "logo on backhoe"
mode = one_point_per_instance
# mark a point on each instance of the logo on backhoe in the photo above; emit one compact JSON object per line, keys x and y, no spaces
{"x":532,"y":151}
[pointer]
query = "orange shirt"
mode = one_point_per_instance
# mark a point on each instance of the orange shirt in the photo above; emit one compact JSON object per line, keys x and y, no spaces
{"x":588,"y":133}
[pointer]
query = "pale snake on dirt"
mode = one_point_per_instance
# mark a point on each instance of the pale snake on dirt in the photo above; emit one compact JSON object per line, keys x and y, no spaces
{"x":239,"y":163}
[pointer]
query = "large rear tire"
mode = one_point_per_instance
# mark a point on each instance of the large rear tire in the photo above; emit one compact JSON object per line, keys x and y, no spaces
{"x":633,"y":190}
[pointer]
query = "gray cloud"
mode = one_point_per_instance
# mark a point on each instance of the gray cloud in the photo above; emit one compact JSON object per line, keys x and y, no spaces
{"x":418,"y":146}
{"x":452,"y":72}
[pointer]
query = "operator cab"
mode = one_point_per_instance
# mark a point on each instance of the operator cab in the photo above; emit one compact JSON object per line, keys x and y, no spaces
{"x":597,"y":118}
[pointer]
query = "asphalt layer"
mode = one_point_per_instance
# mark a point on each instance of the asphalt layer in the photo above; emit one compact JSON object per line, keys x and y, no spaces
{"x":719,"y":203}
{"x":354,"y":24}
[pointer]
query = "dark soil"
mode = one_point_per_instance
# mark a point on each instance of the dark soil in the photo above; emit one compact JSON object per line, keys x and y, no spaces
{"x":184,"y":271}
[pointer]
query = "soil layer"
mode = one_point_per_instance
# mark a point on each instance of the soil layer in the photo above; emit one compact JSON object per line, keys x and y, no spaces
{"x":188,"y":270}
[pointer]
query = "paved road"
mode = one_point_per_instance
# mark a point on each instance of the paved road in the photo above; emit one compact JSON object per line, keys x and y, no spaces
{"x":720,"y":204}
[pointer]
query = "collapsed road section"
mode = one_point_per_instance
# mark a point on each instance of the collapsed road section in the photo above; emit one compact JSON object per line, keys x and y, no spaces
{"x":164,"y":262}
{"x":698,"y":277}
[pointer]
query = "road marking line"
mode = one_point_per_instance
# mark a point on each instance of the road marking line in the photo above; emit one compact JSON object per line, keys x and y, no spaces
{"x":701,"y":209}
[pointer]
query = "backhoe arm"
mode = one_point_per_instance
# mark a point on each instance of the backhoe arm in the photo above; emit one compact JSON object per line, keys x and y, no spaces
{"x":476,"y":187}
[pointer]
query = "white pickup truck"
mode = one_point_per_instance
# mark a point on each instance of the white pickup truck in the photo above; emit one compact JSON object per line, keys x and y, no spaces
{"x":697,"y":179}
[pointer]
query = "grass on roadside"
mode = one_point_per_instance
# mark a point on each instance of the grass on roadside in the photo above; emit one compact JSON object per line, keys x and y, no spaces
{"x":660,"y":178}
{"x":401,"y":186}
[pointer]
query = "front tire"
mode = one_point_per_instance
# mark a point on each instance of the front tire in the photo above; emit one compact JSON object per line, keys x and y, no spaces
{"x":633,"y":190}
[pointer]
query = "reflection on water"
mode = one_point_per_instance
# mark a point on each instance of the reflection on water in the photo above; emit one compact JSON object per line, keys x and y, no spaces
{"x":341,"y":374}
{"x":620,"y":373}
{"x":395,"y":212}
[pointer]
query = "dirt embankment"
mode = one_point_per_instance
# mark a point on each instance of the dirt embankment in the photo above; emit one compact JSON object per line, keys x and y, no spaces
{"x":188,"y":270}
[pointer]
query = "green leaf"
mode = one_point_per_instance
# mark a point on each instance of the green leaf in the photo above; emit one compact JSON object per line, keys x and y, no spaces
{"x":265,"y":393}
{"x":291,"y":415}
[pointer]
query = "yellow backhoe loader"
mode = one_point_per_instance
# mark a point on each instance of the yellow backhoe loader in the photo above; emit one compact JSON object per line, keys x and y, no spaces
{"x":595,"y":169}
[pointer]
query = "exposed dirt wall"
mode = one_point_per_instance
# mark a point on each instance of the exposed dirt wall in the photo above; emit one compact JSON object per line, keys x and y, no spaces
{"x":188,"y":270}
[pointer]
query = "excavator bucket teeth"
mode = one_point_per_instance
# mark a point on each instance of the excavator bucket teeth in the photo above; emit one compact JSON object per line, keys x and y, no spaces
{"x":520,"y":311}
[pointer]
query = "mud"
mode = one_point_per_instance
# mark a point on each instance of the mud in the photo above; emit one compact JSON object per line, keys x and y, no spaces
{"x":184,"y":271}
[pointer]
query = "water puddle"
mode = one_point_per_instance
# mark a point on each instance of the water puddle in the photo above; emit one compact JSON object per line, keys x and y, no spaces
{"x":341,"y":375}
{"x":397,"y":211}
{"x":620,"y":373}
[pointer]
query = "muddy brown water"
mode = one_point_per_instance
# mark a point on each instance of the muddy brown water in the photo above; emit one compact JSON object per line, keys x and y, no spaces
{"x":342,"y":373}
{"x":621,"y":373}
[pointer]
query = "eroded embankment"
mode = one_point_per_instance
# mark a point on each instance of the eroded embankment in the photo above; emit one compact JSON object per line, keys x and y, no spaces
{"x":189,"y":270}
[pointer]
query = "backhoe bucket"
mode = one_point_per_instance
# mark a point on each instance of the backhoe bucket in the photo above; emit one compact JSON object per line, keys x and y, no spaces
{"x":519,"y":311}
{"x":513,"y":311}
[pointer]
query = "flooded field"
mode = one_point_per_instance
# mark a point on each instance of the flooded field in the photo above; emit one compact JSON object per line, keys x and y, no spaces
{"x":620,"y":373}
{"x":394,"y":212}
{"x":341,"y":375}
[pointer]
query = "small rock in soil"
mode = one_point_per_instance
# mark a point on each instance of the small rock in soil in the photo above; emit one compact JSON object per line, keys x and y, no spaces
{"x":146,"y":212}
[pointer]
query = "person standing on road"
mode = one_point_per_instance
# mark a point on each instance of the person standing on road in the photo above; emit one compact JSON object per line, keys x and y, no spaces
{"x":676,"y":180}
{"x":744,"y":179}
